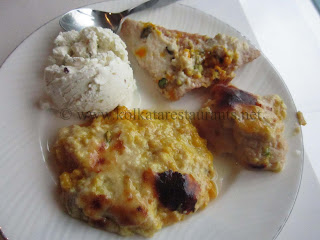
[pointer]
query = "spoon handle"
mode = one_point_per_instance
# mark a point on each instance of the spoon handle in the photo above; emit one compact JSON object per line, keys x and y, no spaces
{"x":140,"y":7}
{"x":145,"y":5}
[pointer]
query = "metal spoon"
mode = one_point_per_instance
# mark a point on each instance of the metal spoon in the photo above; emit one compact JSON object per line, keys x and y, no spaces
{"x":85,"y":17}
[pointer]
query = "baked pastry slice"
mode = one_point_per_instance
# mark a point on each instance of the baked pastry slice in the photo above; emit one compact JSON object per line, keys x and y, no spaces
{"x":179,"y":61}
{"x":134,"y":173}
{"x":247,"y":126}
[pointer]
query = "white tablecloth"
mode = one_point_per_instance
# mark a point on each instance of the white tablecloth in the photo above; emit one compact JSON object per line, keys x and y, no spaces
{"x":287,"y":31}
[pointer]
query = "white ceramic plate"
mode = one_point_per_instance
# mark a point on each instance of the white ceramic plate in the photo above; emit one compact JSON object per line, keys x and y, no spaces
{"x":251,"y":205}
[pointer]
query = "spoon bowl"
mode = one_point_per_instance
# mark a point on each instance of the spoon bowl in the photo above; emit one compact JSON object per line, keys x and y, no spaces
{"x":78,"y":19}
{"x":85,"y":17}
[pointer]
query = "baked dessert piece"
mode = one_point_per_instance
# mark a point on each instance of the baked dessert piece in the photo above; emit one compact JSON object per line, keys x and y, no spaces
{"x":180,"y":61}
{"x":134,"y":173}
{"x":247,"y":126}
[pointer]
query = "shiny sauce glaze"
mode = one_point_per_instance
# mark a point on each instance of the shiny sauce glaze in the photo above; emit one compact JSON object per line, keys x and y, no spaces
{"x":229,"y":96}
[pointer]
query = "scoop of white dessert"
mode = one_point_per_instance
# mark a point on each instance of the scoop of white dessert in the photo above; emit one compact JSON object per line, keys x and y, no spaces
{"x":89,"y":71}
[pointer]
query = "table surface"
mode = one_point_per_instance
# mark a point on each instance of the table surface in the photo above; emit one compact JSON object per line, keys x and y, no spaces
{"x":287,"y":31}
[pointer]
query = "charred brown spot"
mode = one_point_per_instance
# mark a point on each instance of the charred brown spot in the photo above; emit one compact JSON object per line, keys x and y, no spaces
{"x":119,"y":146}
{"x":229,"y":96}
{"x":142,"y":211}
{"x":101,"y":161}
{"x":70,"y":161}
{"x":96,"y":204}
{"x":214,"y":58}
{"x":146,"y":31}
{"x":122,"y":215}
{"x":260,"y":105}
{"x":128,"y":216}
{"x":101,"y":223}
{"x":258,"y":166}
{"x":97,"y":159}
{"x":148,"y":176}
{"x":86,"y":124}
{"x":176,"y":191}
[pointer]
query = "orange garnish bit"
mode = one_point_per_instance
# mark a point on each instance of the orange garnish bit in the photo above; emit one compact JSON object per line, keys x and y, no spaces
{"x":141,"y":52}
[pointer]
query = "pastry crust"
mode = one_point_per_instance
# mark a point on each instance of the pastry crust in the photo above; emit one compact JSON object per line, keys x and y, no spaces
{"x":247,"y":126}
{"x":179,"y":61}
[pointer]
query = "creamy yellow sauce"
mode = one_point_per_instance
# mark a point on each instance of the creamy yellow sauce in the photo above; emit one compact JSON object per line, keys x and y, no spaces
{"x":108,"y":169}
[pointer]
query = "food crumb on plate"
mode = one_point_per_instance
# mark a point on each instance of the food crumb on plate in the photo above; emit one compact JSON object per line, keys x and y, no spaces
{"x":301,"y":119}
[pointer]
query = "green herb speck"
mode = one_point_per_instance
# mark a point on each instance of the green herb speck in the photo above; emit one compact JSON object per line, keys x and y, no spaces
{"x":107,"y":136}
{"x":163,"y":83}
{"x":266,"y":152}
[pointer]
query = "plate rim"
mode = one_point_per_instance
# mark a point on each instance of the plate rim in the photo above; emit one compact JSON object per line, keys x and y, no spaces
{"x":294,"y":105}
